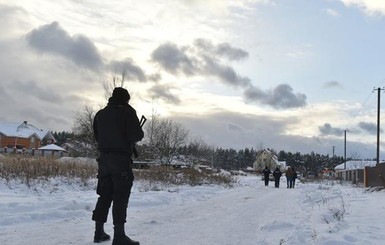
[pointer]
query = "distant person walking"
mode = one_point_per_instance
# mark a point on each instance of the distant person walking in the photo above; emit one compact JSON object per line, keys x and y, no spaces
{"x":116,"y":130}
{"x":293,"y":178}
{"x":289,"y":177}
{"x":266,"y":174}
{"x":277,"y":176}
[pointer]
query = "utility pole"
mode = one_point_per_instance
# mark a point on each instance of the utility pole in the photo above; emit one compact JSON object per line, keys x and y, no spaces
{"x":345,"y":149}
{"x":333,"y":150}
{"x":378,"y":123}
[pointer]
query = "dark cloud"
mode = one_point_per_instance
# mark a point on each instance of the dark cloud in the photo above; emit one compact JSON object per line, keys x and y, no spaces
{"x":370,"y":128}
{"x":332,"y":84}
{"x":128,"y":69}
{"x":35,"y":89}
{"x":205,"y":58}
{"x":226,"y":73}
{"x":280,"y":97}
{"x":224,"y":50}
{"x":53,"y":39}
{"x":212,"y":64}
{"x":174,"y":59}
{"x":327,"y":129}
{"x":163,"y":92}
{"x":201,"y":59}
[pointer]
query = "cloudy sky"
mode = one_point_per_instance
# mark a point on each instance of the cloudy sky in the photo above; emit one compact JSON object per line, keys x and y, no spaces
{"x":284,"y":74}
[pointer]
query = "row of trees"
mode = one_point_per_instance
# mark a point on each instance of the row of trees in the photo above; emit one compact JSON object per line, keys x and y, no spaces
{"x":309,"y":162}
{"x":166,"y":140}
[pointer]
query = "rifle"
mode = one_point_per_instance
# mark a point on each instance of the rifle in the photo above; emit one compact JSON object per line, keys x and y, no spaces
{"x":142,"y":121}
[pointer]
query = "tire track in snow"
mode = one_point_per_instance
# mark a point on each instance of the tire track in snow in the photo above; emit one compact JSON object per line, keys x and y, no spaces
{"x":222,"y":219}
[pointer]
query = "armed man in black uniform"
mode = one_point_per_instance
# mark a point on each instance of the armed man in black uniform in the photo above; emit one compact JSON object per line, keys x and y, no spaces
{"x":116,"y":130}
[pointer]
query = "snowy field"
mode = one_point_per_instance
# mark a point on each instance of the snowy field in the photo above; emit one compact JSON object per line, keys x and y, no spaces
{"x":249,"y":213}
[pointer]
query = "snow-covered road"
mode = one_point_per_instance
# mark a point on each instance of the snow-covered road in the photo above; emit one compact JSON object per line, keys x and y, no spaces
{"x":235,"y":216}
{"x":247,"y":214}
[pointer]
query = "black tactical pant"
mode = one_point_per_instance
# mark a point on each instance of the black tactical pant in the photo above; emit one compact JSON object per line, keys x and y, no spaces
{"x":276,"y":183}
{"x":266,"y":180}
{"x":113,"y":188}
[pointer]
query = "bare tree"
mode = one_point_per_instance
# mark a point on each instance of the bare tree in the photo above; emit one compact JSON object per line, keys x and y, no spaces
{"x":165,"y":137}
{"x":116,"y":81}
{"x":84,"y":141}
{"x":199,"y":152}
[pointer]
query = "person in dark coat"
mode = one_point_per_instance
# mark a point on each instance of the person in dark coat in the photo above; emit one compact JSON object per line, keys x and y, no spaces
{"x":116,"y":129}
{"x":293,"y":178}
{"x":266,"y":174}
{"x":277,"y":176}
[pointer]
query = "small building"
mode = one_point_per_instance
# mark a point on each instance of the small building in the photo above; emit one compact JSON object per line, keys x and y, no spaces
{"x":267,"y":158}
{"x":23,"y":136}
{"x":52,"y":150}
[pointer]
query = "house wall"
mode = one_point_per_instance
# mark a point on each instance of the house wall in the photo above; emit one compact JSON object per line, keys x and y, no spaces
{"x":27,"y":143}
{"x":264,"y":159}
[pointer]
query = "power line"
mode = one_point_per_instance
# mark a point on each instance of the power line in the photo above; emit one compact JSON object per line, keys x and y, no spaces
{"x":363,"y":110}
{"x":378,"y":123}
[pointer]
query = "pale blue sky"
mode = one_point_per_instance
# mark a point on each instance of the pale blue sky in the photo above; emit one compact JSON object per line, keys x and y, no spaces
{"x":284,"y":74}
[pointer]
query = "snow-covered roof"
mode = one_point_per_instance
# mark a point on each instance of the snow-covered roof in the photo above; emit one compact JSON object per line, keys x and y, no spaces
{"x":52,"y":147}
{"x":24,"y":130}
{"x":356,"y":164}
{"x":273,"y":156}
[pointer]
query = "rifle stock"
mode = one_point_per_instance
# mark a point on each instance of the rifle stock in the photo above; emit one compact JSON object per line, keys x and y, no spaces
{"x":142,"y":121}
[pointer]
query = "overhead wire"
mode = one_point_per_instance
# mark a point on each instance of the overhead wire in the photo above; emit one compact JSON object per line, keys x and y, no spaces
{"x":364,"y":111}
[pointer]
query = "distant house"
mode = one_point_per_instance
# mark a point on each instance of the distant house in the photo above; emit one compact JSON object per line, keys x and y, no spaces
{"x":24,"y":136}
{"x":267,"y":158}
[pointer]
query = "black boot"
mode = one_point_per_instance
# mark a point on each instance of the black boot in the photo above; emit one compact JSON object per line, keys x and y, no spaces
{"x":100,"y":235}
{"x":120,"y":237}
{"x":124,"y":241}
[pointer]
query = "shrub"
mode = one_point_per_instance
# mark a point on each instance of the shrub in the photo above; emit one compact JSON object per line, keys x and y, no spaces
{"x":28,"y":169}
{"x":187,"y":176}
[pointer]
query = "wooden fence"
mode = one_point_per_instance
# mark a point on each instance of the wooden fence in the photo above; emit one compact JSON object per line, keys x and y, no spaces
{"x":374,"y":176}
{"x":368,"y":177}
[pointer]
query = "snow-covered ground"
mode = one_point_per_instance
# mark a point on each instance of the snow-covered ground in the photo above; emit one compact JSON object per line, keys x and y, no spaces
{"x":249,"y":213}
